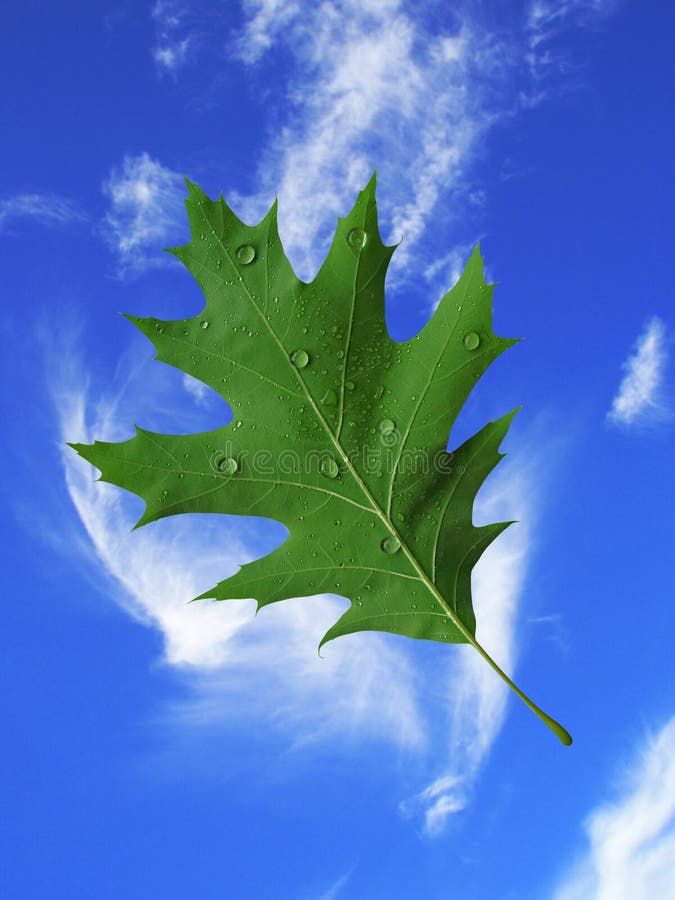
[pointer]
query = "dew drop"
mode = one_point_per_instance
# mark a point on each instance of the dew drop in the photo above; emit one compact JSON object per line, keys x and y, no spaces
{"x":471,"y":340}
{"x":329,"y":467}
{"x":299,"y":358}
{"x":387,"y":426}
{"x":227,"y":465}
{"x":205,"y":324}
{"x":329,"y":398}
{"x":349,"y":385}
{"x":245,"y":254}
{"x":357,"y":238}
{"x":158,"y":328}
{"x":390,"y":544}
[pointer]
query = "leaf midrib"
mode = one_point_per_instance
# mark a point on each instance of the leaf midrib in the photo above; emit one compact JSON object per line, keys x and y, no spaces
{"x":423,"y":576}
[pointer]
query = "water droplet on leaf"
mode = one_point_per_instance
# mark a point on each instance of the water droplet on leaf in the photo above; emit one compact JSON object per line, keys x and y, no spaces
{"x":390,"y":544}
{"x":227,"y":465}
{"x":299,"y":358}
{"x":357,"y":238}
{"x":329,"y":467}
{"x":471,"y":340}
{"x":245,"y":254}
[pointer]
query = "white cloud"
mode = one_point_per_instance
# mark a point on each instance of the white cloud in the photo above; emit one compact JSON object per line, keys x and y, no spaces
{"x":631,"y":840}
{"x":146,"y":212}
{"x":382,"y":84}
{"x":368,"y":86}
{"x":170,"y":56}
{"x":639,"y":399}
{"x":45,"y":209}
{"x":197,"y":389}
{"x":172,"y":44}
{"x":336,"y":889}
{"x":266,"y":19}
{"x":445,"y":271}
{"x":546,"y":57}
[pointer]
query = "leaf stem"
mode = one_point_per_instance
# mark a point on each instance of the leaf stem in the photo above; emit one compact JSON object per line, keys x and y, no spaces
{"x":561,"y":733}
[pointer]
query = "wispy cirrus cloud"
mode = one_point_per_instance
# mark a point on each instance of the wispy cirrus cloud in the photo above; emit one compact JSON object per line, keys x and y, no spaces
{"x":387,"y":84}
{"x":266,"y":20}
{"x":369,"y":86}
{"x":197,"y":389}
{"x":551,"y":68}
{"x":43,"y":208}
{"x":145,"y":212}
{"x":380,"y":84}
{"x":447,"y":269}
{"x":640,"y":399}
{"x":172,"y":40}
{"x":335,"y":889}
{"x":630,"y":841}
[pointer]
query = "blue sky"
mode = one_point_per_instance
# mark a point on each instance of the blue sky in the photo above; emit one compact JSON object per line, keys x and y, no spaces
{"x":155,"y":749}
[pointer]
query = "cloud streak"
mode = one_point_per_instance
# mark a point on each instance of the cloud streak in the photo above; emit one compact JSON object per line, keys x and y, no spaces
{"x":369,"y":85}
{"x":145,"y":212}
{"x":366,"y":84}
{"x":630,"y":849}
{"x":383,"y":84}
{"x":44,"y":209}
{"x":172,"y":42}
{"x":335,"y":889}
{"x":639,"y":399}
{"x":546,"y":58}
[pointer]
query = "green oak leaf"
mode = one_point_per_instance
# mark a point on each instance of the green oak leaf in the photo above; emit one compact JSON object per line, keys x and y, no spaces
{"x":338,"y":431}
